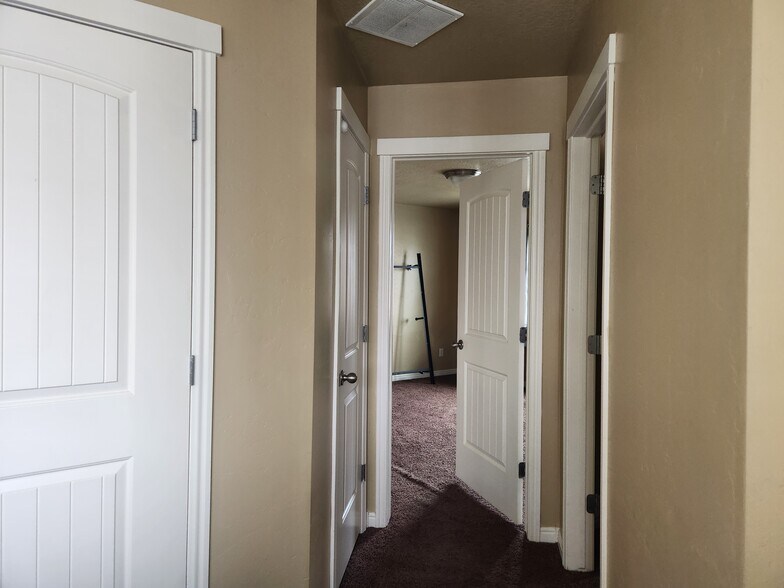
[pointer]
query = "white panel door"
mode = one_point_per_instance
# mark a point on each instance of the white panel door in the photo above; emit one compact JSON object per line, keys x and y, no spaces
{"x":491,"y":310}
{"x":352,"y":385}
{"x":95,"y":305}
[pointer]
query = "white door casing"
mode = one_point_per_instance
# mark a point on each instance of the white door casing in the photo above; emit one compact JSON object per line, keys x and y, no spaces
{"x":390,"y":151}
{"x":592,"y":116}
{"x":492,"y":302}
{"x":351,"y":311}
{"x":96,"y":305}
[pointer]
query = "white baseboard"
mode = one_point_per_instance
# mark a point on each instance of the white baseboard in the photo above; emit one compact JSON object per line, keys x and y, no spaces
{"x":560,"y":544}
{"x":417,"y":376}
{"x":549,"y":534}
{"x":371,"y":520}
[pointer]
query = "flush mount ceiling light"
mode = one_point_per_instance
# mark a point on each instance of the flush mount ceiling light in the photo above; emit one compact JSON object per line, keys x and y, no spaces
{"x":458,"y":175}
{"x":404,"y":21}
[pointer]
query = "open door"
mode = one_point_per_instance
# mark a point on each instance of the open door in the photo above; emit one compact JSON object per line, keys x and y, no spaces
{"x":492,"y":303}
{"x":351,"y":342}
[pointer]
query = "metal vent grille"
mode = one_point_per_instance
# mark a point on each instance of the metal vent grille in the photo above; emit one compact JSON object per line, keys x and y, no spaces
{"x":404,"y":21}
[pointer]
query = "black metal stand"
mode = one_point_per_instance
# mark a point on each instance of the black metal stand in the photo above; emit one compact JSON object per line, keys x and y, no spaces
{"x":418,"y":267}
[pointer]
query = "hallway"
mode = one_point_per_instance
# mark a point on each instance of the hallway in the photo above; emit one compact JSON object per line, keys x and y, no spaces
{"x":440,"y":532}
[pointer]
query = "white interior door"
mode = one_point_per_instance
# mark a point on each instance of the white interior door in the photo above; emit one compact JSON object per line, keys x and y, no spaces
{"x":352,"y":383}
{"x":491,"y":312}
{"x":95,"y":182}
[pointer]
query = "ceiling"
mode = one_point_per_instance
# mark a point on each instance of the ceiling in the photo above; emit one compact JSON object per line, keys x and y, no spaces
{"x":496,"y":39}
{"x":422,"y":182}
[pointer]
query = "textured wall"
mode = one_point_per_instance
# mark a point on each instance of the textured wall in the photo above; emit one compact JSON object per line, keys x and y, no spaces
{"x":335,"y":67}
{"x":678,"y":300}
{"x":765,"y":402}
{"x":532,"y":105}
{"x":433,"y":232}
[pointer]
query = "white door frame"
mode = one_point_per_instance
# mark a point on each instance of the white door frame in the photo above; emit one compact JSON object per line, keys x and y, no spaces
{"x":390,"y":151}
{"x":203,"y":40}
{"x":592,"y":116}
{"x":346,"y":117}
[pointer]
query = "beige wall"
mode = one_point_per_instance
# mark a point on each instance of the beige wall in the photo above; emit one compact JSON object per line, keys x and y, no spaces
{"x":678,"y":299}
{"x":764,"y":532}
{"x":532,"y":105}
{"x":433,"y":232}
{"x":273,"y":235}
{"x":335,"y":67}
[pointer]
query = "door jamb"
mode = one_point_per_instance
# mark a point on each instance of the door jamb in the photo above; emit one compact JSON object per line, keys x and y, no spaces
{"x":344,"y":113}
{"x":203,"y":40}
{"x":593,"y":115}
{"x":389,"y":151}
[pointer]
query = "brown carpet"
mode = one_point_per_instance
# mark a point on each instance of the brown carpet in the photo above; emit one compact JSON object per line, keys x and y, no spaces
{"x":440,"y":532}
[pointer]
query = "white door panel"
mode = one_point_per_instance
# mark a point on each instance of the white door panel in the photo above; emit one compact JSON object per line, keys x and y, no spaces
{"x":351,"y":349}
{"x":491,"y":303}
{"x":95,"y":305}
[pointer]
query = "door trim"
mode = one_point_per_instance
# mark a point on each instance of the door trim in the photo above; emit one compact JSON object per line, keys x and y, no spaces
{"x":592,"y":116}
{"x":344,"y":113}
{"x":203,"y":40}
{"x":389,"y":151}
{"x":135,"y":19}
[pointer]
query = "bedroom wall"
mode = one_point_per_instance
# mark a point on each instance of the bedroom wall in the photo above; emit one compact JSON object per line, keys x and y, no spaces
{"x":433,"y":232}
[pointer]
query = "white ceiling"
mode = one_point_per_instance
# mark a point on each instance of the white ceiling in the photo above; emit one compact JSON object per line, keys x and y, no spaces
{"x":422,"y":182}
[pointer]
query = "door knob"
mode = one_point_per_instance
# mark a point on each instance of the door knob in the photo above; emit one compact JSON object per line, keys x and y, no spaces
{"x":351,"y":378}
{"x":459,"y":344}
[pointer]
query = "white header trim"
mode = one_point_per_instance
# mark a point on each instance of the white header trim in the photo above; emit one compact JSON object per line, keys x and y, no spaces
{"x":434,"y":147}
{"x":133,"y":18}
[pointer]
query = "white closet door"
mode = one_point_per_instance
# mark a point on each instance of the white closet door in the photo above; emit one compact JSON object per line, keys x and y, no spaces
{"x":95,"y":305}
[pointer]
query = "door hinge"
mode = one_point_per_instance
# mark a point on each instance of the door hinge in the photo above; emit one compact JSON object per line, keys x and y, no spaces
{"x":362,"y":472}
{"x":194,"y":125}
{"x":521,"y":470}
{"x":366,"y":195}
{"x":526,"y":199}
{"x":524,"y":335}
{"x":595,"y":344}
{"x":597,"y":185}
{"x":592,"y":504}
{"x":192,"y":371}
{"x":365,"y":333}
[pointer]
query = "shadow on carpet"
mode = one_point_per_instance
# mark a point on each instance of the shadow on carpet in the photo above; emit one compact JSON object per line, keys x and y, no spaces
{"x":440,"y":532}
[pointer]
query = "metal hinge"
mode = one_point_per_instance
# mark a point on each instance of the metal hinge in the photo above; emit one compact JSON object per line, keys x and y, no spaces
{"x":194,"y":125}
{"x":597,"y":185}
{"x":365,"y":333}
{"x":592,"y":504}
{"x":366,"y":195}
{"x":192,"y":370}
{"x":521,"y":470}
{"x":595,"y":344}
{"x":362,"y":472}
{"x":526,"y":199}
{"x":524,"y":335}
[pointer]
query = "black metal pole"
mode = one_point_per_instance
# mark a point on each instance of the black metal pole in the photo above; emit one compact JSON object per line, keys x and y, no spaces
{"x":427,"y":324}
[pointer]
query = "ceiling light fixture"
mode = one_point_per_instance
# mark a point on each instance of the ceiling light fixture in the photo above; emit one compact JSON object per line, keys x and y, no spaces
{"x":404,"y":21}
{"x":458,"y":175}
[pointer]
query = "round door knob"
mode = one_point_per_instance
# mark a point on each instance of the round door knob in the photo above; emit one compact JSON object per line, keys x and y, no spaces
{"x":351,"y":378}
{"x":459,"y":344}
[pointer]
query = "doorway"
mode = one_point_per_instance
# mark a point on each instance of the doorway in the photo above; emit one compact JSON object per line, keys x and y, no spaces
{"x":587,"y":327}
{"x":394,"y":152}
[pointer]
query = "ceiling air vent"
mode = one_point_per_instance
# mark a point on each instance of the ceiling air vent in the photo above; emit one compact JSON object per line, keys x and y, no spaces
{"x":404,"y":21}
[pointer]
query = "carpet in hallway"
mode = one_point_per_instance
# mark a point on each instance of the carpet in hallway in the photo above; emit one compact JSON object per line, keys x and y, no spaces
{"x":441,"y":533}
